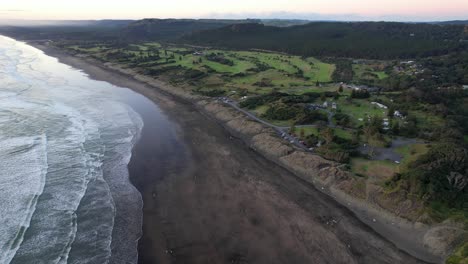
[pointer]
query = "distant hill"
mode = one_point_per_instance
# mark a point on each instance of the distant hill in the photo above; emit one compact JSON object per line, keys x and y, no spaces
{"x":284,"y":22}
{"x":380,"y":40}
{"x":454,"y":22}
{"x":164,"y":29}
{"x":64,"y":30}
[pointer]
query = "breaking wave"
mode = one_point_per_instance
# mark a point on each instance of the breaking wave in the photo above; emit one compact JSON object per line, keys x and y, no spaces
{"x":65,"y":142}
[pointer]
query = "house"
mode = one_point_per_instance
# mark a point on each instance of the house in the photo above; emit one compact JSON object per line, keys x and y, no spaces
{"x":325,"y":104}
{"x":334,"y":105}
{"x":198,"y":53}
{"x":379,"y":105}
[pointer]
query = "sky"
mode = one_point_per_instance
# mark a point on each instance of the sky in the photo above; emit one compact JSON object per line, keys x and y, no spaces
{"x":388,"y":10}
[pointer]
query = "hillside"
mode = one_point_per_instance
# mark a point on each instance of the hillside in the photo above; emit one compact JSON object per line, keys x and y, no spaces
{"x":382,"y":40}
{"x":160,"y":29}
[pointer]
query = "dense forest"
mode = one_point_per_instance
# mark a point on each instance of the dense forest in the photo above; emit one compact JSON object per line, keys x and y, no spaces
{"x":377,"y":40}
{"x":170,"y":29}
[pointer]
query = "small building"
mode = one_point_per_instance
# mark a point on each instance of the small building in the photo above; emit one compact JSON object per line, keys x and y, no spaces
{"x":325,"y":104}
{"x":379,"y":105}
{"x":398,"y":114}
{"x":334,"y":106}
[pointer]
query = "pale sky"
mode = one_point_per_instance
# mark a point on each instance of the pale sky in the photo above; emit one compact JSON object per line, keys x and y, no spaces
{"x":396,"y":10}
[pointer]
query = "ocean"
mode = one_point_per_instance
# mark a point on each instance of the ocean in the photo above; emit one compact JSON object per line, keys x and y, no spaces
{"x":65,"y":143}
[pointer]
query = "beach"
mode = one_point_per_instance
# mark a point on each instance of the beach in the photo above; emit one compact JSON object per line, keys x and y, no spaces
{"x":213,"y":199}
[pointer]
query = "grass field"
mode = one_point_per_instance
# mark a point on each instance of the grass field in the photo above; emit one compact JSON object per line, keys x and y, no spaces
{"x":359,"y":109}
{"x":256,"y":72}
{"x":379,"y":170}
{"x":411,"y":152}
{"x":367,"y":72}
{"x":310,"y":130}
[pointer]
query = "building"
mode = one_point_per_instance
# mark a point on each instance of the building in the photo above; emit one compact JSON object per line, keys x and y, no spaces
{"x":379,"y":105}
{"x":398,"y":114}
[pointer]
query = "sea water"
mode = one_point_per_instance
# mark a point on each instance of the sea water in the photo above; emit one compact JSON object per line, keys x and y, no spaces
{"x":65,"y":143}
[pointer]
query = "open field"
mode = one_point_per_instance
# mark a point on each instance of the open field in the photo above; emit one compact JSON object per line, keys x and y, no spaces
{"x":341,"y":133}
{"x":256,"y":72}
{"x":367,"y":72}
{"x":378,"y":170}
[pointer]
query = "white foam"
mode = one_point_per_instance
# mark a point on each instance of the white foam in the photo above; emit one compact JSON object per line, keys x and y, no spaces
{"x":85,"y":125}
{"x":19,"y":189}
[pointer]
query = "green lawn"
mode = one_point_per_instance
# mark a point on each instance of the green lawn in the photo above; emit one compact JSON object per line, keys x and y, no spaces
{"x":279,"y":72}
{"x":427,"y":120}
{"x":411,"y":152}
{"x":360,"y":109}
{"x":367,"y":72}
{"x":310,"y":130}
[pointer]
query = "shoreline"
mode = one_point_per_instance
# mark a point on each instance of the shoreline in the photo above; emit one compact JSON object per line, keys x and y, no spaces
{"x":313,"y":170}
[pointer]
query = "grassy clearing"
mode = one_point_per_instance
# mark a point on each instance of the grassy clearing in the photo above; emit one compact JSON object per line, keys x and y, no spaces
{"x":360,"y":109}
{"x":341,"y":133}
{"x":380,"y":170}
{"x":426,"y":120}
{"x":367,"y":72}
{"x":412,"y":152}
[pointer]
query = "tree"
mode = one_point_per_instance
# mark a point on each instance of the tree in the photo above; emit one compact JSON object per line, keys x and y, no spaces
{"x":317,"y":83}
{"x":368,"y":132}
{"x":356,"y":136}
{"x":323,"y":97}
{"x":292,"y":129}
{"x":328,"y":134}
{"x":340,"y":90}
{"x":376,"y":123}
{"x":391,"y":112}
{"x":396,"y":128}
{"x":302,"y":133}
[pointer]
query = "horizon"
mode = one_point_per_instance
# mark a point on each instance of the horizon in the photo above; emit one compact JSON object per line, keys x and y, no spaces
{"x":318,"y":10}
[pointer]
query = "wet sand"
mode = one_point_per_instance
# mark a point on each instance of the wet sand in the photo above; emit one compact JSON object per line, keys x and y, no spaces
{"x":208,"y":198}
